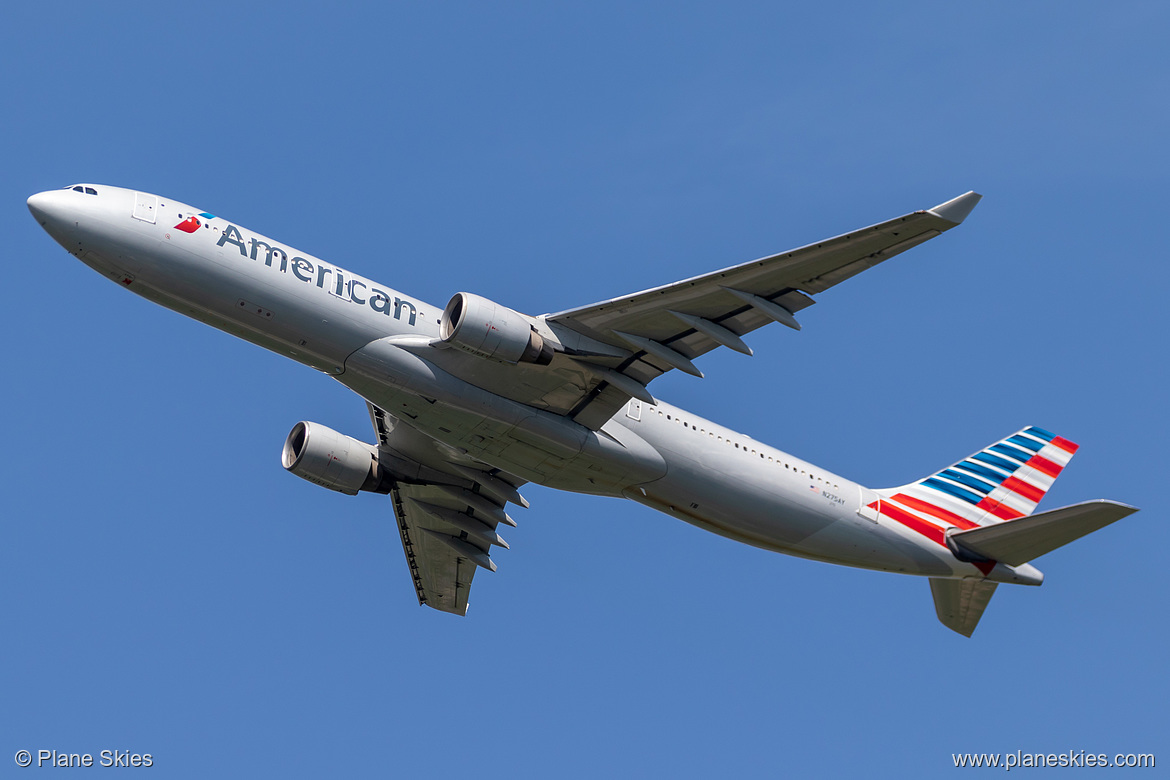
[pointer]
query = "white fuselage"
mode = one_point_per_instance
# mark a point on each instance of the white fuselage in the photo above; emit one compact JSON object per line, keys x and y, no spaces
{"x":346,"y":325}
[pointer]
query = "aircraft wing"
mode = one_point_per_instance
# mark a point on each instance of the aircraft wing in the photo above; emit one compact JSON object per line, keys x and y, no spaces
{"x":448,"y":507}
{"x":667,"y":327}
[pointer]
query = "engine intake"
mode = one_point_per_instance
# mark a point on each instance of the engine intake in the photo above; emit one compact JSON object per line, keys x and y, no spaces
{"x":487,"y":329}
{"x":332,"y":460}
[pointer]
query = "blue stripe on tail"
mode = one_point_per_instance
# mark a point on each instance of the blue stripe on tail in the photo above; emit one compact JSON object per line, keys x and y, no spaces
{"x":986,"y":457}
{"x":953,"y":490}
{"x":996,"y":477}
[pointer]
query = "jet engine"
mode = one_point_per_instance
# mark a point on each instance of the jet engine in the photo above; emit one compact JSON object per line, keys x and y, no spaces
{"x":332,"y":460}
{"x":487,"y":329}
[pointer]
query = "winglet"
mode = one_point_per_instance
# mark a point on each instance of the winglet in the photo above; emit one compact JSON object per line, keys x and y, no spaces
{"x":957,"y":209}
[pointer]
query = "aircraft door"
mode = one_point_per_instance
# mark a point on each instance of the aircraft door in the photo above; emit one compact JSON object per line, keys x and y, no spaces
{"x":145,"y":206}
{"x":634,"y":409}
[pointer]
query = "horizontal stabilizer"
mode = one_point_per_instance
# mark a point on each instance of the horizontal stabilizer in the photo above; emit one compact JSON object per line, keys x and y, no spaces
{"x":1021,"y":540}
{"x":960,"y":603}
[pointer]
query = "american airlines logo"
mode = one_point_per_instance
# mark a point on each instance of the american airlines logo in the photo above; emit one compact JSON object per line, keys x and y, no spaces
{"x":328,"y":278}
{"x":191,"y":224}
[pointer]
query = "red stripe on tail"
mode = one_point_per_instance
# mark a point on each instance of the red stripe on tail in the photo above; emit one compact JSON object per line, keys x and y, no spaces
{"x":913,"y":522}
{"x":999,"y":510}
{"x":1030,"y":492}
{"x":934,"y":511}
{"x":1045,"y":466}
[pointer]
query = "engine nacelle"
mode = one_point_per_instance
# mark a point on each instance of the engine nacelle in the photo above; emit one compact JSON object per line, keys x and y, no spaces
{"x":332,"y":460}
{"x":487,"y":329}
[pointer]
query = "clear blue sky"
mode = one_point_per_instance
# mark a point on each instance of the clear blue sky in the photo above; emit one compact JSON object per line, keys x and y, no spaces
{"x":166,"y":587}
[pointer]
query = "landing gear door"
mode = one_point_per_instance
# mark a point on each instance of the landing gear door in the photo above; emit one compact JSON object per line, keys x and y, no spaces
{"x":868,"y":504}
{"x":145,"y":207}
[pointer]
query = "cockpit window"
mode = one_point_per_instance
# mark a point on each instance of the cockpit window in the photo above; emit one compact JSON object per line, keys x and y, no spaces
{"x":79,"y":189}
{"x":90,"y":191}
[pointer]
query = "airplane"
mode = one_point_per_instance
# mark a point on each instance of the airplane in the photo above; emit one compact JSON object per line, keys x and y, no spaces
{"x":471,"y":401}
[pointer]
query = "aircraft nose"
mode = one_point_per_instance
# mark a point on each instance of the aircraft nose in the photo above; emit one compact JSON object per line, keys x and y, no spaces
{"x":47,"y":207}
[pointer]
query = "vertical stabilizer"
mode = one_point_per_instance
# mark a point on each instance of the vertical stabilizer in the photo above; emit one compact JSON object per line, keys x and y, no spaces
{"x":1001,"y":482}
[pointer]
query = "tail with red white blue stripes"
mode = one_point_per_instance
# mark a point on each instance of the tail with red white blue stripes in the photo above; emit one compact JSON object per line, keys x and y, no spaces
{"x":983,"y":510}
{"x":1002,"y":482}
